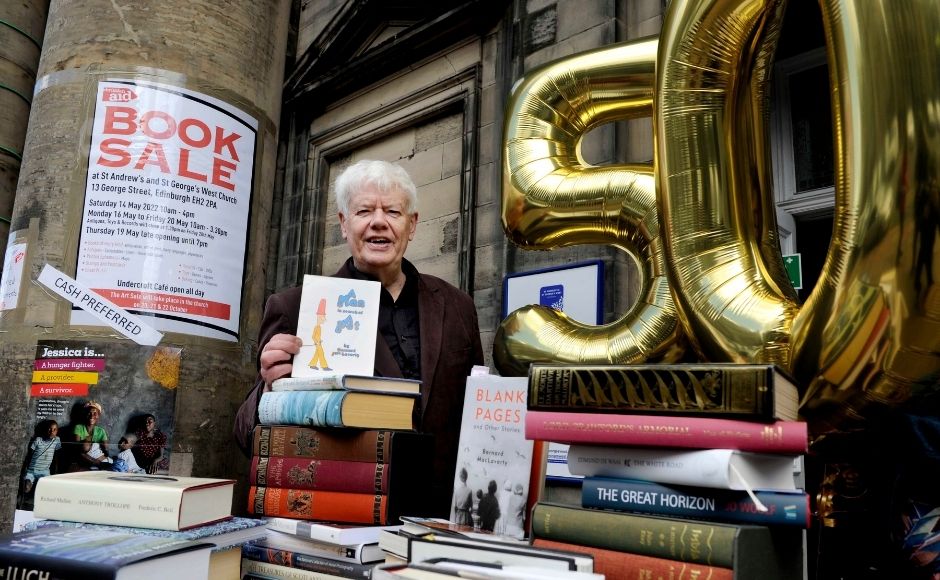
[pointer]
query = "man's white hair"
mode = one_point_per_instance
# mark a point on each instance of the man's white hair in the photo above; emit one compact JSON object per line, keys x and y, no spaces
{"x":382,"y":175}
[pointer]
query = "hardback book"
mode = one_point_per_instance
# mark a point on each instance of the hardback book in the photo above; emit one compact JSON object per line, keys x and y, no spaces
{"x":420,"y":526}
{"x":221,"y":535}
{"x":226,"y":538}
{"x":720,"y":468}
{"x":268,"y":571}
{"x":338,"y":381}
{"x":336,"y":506}
{"x":759,"y":392}
{"x":325,"y":474}
{"x":124,"y":383}
{"x":321,"y":564}
{"x":445,"y":568}
{"x":337,"y":322}
{"x":774,"y":508}
{"x":758,"y":552}
{"x":365,"y":410}
{"x":328,"y":531}
{"x":137,"y":500}
{"x":370,"y":445}
{"x":434,"y":546}
{"x":785,"y":437}
{"x":360,"y":553}
{"x":85,"y":554}
{"x":494,"y":458}
{"x":614,"y":564}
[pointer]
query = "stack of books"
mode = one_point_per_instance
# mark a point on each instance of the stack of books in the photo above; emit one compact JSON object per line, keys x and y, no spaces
{"x":298,"y":549}
{"x":335,"y":445}
{"x":434,"y":547}
{"x":102,"y":524}
{"x":686,"y":469}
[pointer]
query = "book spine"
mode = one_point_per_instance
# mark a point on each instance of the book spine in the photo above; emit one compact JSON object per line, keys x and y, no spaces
{"x":344,"y":568}
{"x":325,"y":474}
{"x":268,"y":570}
{"x":314,"y":408}
{"x":373,"y":446}
{"x":683,"y":540}
{"x":307,"y":504}
{"x":96,"y":502}
{"x":613,"y":564}
{"x":783,"y":509}
{"x":707,"y":390}
{"x":663,"y":431}
{"x":664,"y":466}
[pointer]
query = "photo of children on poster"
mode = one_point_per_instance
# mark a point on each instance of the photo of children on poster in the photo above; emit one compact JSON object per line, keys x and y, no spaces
{"x":98,"y":406}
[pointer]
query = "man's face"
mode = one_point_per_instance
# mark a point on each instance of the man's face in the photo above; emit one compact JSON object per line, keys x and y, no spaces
{"x":378,"y":229}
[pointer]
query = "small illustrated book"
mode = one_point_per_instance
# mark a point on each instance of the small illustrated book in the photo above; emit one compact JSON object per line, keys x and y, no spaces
{"x":338,"y":322}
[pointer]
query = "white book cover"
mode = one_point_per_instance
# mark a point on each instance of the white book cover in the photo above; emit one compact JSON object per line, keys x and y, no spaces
{"x":338,"y":323}
{"x":716,"y":468}
{"x":494,"y":459}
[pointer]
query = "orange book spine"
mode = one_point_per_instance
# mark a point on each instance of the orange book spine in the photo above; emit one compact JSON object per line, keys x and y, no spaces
{"x":613,"y":564}
{"x":307,"y":504}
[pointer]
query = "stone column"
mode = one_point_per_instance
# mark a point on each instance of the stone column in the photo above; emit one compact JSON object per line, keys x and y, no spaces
{"x":21,"y":29}
{"x":231,"y":51}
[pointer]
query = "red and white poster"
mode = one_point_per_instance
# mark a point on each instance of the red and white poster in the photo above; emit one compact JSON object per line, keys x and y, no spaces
{"x":167,"y":197}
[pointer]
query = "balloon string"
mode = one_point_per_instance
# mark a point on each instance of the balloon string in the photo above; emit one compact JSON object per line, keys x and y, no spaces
{"x":747,"y":487}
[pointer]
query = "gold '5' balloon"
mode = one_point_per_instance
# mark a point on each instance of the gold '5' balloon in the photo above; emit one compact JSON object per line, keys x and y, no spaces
{"x":701,"y":224}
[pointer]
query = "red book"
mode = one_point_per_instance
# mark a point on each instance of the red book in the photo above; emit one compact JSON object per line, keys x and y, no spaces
{"x":308,"y":504}
{"x":613,"y":564}
{"x":373,"y":446}
{"x":324,"y":474}
{"x":666,"y":431}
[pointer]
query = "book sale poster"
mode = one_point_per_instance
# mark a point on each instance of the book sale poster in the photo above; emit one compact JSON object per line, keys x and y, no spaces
{"x":167,"y":198}
{"x":494,"y":459}
{"x":98,"y":406}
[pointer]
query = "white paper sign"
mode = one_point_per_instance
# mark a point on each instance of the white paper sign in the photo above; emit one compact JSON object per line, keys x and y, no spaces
{"x":12,"y":277}
{"x":167,"y":197}
{"x":99,"y":307}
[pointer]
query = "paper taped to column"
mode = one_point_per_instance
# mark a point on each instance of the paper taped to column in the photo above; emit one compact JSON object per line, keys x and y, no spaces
{"x":167,"y":198}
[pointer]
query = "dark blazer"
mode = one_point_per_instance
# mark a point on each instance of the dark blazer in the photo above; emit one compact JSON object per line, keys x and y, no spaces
{"x":450,"y":346}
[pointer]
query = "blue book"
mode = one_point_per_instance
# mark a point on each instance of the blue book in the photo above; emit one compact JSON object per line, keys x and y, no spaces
{"x":222,"y":535}
{"x":73,"y":553}
{"x":362,"y":409}
{"x":702,"y":503}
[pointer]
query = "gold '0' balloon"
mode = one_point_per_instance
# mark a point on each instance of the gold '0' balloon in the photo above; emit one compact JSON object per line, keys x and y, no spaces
{"x":869,"y":334}
{"x":552,"y":198}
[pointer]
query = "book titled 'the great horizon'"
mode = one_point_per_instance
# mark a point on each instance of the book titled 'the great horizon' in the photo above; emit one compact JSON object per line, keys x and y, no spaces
{"x":781,"y":508}
{"x":757,"y":392}
{"x":136,"y":500}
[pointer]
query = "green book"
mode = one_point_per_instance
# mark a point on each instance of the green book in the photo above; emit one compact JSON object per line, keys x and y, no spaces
{"x":757,"y":552}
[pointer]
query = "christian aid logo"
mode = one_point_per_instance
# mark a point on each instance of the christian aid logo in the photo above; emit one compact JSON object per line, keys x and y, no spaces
{"x":18,"y":257}
{"x":118,"y":95}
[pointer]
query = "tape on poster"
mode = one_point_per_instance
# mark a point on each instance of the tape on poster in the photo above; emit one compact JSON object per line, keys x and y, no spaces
{"x":101,"y":308}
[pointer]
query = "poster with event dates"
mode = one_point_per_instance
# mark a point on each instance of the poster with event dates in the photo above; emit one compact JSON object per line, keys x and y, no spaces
{"x":167,"y":198}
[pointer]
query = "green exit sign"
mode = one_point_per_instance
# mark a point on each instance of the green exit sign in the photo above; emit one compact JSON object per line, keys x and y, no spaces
{"x":794,"y":266}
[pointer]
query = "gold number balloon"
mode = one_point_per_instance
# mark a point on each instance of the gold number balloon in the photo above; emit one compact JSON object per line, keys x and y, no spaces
{"x":869,"y":334}
{"x":552,"y":198}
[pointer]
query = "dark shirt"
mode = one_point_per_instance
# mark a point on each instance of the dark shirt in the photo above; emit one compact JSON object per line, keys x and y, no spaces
{"x":489,"y":512}
{"x":398,"y":321}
